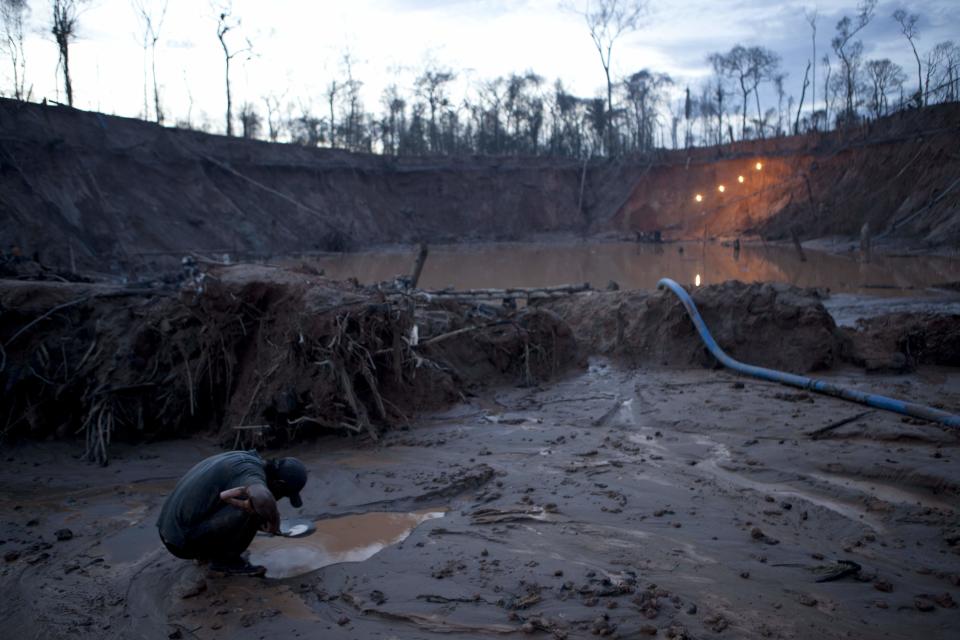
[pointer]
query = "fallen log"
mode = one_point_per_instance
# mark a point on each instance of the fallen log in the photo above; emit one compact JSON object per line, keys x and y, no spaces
{"x":529,"y":293}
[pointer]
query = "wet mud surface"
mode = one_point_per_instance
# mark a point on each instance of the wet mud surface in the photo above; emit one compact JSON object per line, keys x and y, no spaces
{"x":615,"y":503}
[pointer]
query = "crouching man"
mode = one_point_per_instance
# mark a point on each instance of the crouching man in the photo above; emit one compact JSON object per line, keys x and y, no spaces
{"x":219,"y":505}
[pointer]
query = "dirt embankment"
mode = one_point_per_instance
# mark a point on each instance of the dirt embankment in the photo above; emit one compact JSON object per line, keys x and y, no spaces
{"x":901,"y":341}
{"x":86,"y":190}
{"x":771,"y":325}
{"x":899,"y":175}
{"x":282,"y":354}
{"x":265,"y":356}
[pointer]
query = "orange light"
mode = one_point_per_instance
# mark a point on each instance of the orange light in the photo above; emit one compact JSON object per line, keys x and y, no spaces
{"x":699,"y":198}
{"x":759,"y":166}
{"x":740,"y":179}
{"x":721,"y":188}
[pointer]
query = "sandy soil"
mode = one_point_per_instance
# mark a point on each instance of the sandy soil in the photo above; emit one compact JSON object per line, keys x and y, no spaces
{"x":616,"y":502}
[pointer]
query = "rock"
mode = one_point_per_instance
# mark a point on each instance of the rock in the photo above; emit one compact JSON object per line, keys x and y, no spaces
{"x":922,"y":603}
{"x":192,"y":590}
{"x":757,"y":534}
{"x":944,"y":600}
{"x":717,"y":623}
{"x":692,"y":609}
{"x":11,"y":555}
{"x":883,"y":585}
{"x":342,"y":620}
{"x":63,"y":534}
{"x":677,"y":632}
{"x":952,"y":536}
{"x":807,"y":600}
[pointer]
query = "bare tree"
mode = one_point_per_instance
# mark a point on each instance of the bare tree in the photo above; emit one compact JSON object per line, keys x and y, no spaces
{"x":273,"y":119}
{"x":12,"y":15}
{"x":908,"y":27}
{"x":353,"y":108}
{"x":749,"y":67}
{"x":778,"y":81}
{"x":607,"y":21}
{"x":939,"y":55}
{"x":645,"y":92}
{"x":396,"y":119}
{"x":827,"y":102}
{"x":885,"y":76}
{"x":849,"y":51}
{"x":151,"y":23}
{"x":947,"y":87}
{"x":803,"y":92}
{"x":811,"y":17}
{"x":305,"y":128}
{"x":431,"y":86}
{"x":764,"y":66}
{"x":716,"y":92}
{"x":227,"y":22}
{"x":250,"y":121}
{"x":333,"y":88}
{"x":64,"y":30}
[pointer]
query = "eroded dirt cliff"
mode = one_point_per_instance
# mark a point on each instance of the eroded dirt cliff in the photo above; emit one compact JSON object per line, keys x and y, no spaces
{"x":86,"y":190}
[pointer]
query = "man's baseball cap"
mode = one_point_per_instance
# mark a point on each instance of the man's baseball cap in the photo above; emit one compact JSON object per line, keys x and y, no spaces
{"x":291,"y":476}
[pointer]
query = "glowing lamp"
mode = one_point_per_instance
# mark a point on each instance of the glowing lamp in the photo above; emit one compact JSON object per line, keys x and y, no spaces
{"x":696,"y":281}
{"x":740,"y":179}
{"x":721,"y":188}
{"x":759,"y":166}
{"x":699,"y":198}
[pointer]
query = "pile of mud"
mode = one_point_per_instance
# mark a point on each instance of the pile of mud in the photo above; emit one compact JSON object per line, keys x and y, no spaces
{"x":901,"y":341}
{"x":772,"y":325}
{"x":264,"y":355}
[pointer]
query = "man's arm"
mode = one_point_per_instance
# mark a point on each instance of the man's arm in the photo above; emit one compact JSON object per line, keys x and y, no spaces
{"x":255,"y":499}
{"x":237,"y":497}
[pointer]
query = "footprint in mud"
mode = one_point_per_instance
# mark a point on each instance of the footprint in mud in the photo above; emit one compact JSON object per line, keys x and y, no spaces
{"x":345,"y":539}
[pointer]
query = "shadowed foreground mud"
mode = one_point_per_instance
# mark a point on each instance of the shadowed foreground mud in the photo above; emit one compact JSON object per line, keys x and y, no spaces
{"x":621,"y":503}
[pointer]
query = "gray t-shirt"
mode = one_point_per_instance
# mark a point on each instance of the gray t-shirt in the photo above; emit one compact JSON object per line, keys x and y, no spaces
{"x":197,"y":494}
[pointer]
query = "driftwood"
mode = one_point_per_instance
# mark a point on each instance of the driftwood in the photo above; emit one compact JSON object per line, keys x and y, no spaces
{"x":528,"y":293}
{"x":819,"y":433}
{"x":794,"y":234}
{"x":418,"y":265}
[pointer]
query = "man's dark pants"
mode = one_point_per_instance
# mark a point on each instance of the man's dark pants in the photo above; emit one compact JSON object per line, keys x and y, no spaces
{"x":222,"y":537}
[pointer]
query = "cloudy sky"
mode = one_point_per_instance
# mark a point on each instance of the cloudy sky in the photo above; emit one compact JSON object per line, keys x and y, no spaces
{"x":299,"y":46}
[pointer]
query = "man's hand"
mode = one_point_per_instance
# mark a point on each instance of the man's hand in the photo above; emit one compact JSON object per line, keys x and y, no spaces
{"x":265,"y":505}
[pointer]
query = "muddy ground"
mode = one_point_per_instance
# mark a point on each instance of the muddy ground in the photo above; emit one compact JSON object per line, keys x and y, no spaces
{"x":617,"y":502}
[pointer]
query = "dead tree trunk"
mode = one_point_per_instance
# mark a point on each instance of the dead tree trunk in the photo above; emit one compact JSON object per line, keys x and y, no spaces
{"x":418,"y":265}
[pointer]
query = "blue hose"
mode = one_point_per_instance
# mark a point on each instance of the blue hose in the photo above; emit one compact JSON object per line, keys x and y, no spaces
{"x":880,"y":402}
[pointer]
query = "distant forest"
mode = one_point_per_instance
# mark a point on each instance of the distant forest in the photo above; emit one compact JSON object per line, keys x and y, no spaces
{"x":524,"y":114}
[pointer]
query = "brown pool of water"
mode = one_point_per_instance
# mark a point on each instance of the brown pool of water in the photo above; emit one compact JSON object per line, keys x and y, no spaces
{"x":353,"y":538}
{"x":640,"y":266}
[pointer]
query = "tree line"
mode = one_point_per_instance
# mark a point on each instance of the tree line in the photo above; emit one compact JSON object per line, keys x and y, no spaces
{"x":523,"y":113}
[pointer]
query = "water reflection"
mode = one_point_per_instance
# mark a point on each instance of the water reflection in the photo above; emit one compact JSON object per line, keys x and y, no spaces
{"x":640,"y":266}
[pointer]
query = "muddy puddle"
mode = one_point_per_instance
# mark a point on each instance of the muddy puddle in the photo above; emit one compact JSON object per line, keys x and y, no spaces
{"x":352,"y":538}
{"x":640,"y":266}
